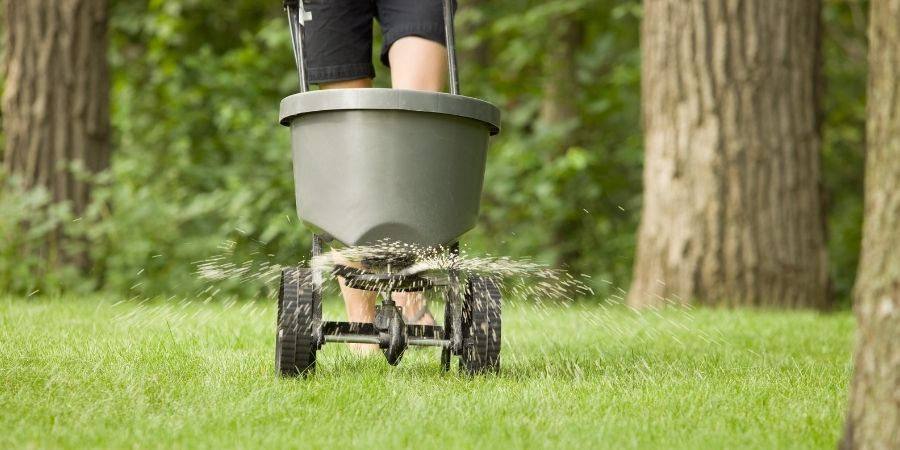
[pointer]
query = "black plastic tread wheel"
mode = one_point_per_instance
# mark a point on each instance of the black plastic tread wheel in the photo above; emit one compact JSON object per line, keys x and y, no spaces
{"x":481,"y":326}
{"x":295,"y":346}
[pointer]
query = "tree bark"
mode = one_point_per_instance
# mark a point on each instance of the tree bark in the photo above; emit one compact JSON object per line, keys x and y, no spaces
{"x":559,"y":109}
{"x":732,"y":210}
{"x":56,"y":101}
{"x":873,"y":421}
{"x":479,"y":56}
{"x":559,"y":84}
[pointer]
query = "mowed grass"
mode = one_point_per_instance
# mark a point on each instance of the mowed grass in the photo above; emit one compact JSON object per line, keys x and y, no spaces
{"x":104,"y":374}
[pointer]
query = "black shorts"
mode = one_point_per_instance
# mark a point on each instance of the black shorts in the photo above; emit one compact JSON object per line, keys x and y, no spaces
{"x":338,"y":40}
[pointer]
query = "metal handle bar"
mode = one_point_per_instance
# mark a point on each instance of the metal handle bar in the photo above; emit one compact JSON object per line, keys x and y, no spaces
{"x":450,"y":41}
{"x":297,"y":18}
{"x":296,"y":21}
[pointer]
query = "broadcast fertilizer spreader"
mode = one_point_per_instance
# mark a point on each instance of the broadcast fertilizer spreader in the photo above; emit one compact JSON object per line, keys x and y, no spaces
{"x":388,"y":165}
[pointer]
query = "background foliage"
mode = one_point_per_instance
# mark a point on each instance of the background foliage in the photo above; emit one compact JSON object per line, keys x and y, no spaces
{"x":199,"y":159}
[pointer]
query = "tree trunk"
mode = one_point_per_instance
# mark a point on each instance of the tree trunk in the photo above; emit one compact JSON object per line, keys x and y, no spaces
{"x":732,"y":210}
{"x":56,"y":101}
{"x":559,"y":111}
{"x":475,"y":58}
{"x":873,"y":421}
{"x":559,"y":85}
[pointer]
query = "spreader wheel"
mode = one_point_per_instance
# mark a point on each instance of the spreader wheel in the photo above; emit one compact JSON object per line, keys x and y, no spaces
{"x":481,"y":326}
{"x":295,"y":346}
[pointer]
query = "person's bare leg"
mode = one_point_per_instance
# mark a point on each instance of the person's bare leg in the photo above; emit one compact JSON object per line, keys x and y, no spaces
{"x":360,"y":304}
{"x":418,"y":64}
{"x":348,"y":84}
{"x":412,"y":303}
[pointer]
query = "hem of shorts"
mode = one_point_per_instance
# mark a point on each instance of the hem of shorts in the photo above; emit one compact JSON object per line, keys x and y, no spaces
{"x":341,"y":72}
{"x":433,"y":31}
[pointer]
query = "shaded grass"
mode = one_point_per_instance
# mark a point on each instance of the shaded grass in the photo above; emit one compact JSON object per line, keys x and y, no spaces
{"x":96,"y":373}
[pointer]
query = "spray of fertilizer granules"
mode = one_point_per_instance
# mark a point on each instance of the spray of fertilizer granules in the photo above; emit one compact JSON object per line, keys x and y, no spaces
{"x":539,"y":292}
{"x":520,"y":278}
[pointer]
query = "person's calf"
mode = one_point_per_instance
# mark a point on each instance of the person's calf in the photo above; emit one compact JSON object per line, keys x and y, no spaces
{"x":347,"y":84}
{"x":360,"y":307}
{"x":418,"y":64}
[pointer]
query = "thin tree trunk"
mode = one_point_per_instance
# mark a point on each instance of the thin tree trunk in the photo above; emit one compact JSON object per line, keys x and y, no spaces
{"x":559,"y":85}
{"x":873,"y":421}
{"x":476,"y":58}
{"x":559,"y":108}
{"x":56,"y":101}
{"x":732,"y":210}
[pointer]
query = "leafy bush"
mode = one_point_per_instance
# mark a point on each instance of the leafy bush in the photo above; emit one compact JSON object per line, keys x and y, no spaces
{"x":27,"y":219}
{"x":199,"y":159}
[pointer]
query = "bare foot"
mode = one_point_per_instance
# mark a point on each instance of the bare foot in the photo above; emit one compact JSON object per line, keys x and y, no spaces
{"x":364,"y":349}
{"x":415,"y":310}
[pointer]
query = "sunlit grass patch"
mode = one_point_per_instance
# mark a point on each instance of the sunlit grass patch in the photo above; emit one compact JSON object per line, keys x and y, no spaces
{"x":163,"y":374}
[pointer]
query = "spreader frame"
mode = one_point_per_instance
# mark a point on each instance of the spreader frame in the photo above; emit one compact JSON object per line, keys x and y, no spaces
{"x":373,"y":133}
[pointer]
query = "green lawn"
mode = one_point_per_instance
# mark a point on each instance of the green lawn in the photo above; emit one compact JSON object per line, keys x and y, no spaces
{"x":100,"y":373}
